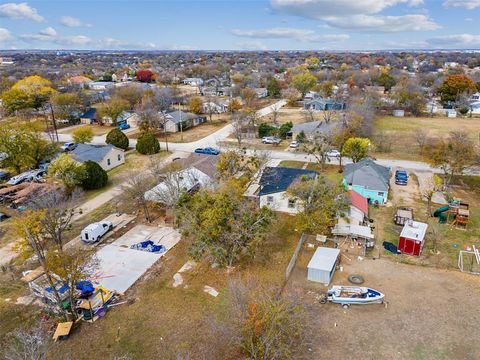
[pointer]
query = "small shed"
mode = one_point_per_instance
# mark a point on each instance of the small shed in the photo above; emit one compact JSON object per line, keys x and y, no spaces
{"x":322,"y":265}
{"x":412,"y":238}
{"x":403,"y":215}
{"x":399,"y":113}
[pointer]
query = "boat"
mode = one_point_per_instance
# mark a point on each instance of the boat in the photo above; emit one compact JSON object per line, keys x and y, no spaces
{"x":352,"y":295}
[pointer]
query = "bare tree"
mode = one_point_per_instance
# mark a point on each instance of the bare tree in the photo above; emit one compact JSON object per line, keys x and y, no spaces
{"x":30,"y":344}
{"x":275,"y":111}
{"x":422,"y":138}
{"x":318,"y":148}
{"x":240,"y":121}
{"x":135,"y":188}
{"x":310,"y":114}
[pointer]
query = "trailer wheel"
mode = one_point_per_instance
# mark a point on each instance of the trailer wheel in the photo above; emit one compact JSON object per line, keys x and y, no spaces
{"x":323,"y":300}
{"x":345,"y":306}
{"x":356,"y":279}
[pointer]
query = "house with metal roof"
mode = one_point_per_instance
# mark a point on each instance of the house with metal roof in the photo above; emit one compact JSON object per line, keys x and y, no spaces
{"x":271,"y":189}
{"x":322,"y":104}
{"x":178,"y":120}
{"x":312,"y":129}
{"x":368,"y":179}
{"x":107,"y":156}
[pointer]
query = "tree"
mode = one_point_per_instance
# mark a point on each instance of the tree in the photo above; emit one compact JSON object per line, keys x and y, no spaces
{"x":131,"y":93}
{"x":235,"y":163}
{"x":409,"y":96}
{"x":265,"y":129}
{"x":275,"y":111}
{"x":284,"y":129}
{"x":318,"y":148}
{"x":273,"y":88}
{"x":326,"y":89}
{"x":24,"y":144}
{"x":222,"y":226}
{"x":68,"y":171}
{"x":292,"y":96}
{"x":301,"y":137}
{"x":95,"y":176}
{"x":304,"y":82}
{"x":356,"y":148}
{"x":82,"y":135}
{"x":134,"y":190}
{"x":312,"y":62}
{"x":386,"y":80}
{"x":249,"y":97}
{"x":422,"y":138}
{"x":234,"y":105}
{"x":112,"y":109}
{"x":36,"y":88}
{"x":145,"y":76}
{"x":455,"y":85}
{"x":148,"y":144}
{"x":16,"y":99}
{"x":195,"y":105}
{"x":453,"y":155}
{"x":67,"y":105}
{"x":117,"y":138}
{"x":319,"y":202}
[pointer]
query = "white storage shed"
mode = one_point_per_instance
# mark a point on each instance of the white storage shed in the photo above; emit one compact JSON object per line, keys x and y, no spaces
{"x":322,"y":265}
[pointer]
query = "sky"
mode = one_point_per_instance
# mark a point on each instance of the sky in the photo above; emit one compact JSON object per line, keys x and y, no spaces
{"x":240,"y":24}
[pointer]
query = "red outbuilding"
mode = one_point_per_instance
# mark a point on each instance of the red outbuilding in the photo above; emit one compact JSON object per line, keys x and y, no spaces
{"x":412,"y":238}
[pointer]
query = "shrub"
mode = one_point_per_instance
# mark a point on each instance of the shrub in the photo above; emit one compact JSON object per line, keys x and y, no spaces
{"x":148,"y":144}
{"x":96,"y":177}
{"x":118,"y":139}
{"x":265,"y":130}
{"x":284,"y":129}
{"x":82,"y":135}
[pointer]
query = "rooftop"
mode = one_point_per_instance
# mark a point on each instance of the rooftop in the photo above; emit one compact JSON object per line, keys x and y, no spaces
{"x":278,"y":179}
{"x":324,"y":259}
{"x":84,"y":152}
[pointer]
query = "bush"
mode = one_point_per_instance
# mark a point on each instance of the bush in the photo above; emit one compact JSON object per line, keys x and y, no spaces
{"x":82,"y":135}
{"x":284,"y":129}
{"x":96,"y":177}
{"x":265,"y":130}
{"x":118,"y":139}
{"x":148,"y":144}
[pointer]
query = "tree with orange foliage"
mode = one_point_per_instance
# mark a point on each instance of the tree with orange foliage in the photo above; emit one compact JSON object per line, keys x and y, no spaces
{"x":455,"y":85}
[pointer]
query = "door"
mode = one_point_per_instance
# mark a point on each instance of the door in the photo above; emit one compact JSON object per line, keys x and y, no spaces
{"x":408,"y":246}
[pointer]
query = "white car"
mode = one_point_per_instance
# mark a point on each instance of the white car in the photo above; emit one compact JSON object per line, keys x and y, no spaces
{"x":69,"y":146}
{"x":333,"y":153}
{"x":271,"y":140}
{"x":93,"y":232}
{"x":294,"y":144}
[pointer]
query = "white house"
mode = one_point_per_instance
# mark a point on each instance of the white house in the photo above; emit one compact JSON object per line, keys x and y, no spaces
{"x":100,"y":85}
{"x":198,"y":170}
{"x":178,"y":120}
{"x":216,"y":108}
{"x":193,"y":81}
{"x":107,"y":156}
{"x":271,"y":189}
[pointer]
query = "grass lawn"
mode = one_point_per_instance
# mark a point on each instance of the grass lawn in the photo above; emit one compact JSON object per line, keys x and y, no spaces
{"x":400,"y":133}
{"x":97,"y":129}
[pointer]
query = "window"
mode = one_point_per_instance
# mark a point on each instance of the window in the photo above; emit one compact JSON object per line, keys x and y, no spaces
{"x":381,"y":193}
{"x":108,"y":162}
{"x":291,"y":203}
{"x":119,"y":157}
{"x":269,"y":199}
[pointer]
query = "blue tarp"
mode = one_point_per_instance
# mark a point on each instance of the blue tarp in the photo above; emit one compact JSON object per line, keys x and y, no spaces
{"x":86,"y":287}
{"x":149,"y":245}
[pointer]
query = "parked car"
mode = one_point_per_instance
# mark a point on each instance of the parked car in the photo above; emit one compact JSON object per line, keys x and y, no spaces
{"x":208,"y":151}
{"x":4,"y":217}
{"x":69,"y":146}
{"x":401,"y":177}
{"x":31,"y":175}
{"x":294,"y":144}
{"x":333,"y":153}
{"x":4,"y":175}
{"x":124,"y":126}
{"x":271,"y":140}
{"x":95,"y":231}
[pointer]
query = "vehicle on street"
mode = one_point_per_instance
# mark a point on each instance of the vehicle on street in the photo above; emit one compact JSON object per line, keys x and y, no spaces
{"x":207,"y":151}
{"x":352,"y":295}
{"x":93,"y":232}
{"x":333,"y":153}
{"x":4,"y":217}
{"x":271,"y":140}
{"x":124,"y":126}
{"x":294,"y":144}
{"x":69,"y":146}
{"x":401,"y":177}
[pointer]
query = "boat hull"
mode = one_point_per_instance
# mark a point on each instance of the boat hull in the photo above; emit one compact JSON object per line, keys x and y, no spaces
{"x":354,"y":295}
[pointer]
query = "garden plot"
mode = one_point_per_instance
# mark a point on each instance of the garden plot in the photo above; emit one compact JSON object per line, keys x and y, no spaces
{"x":119,"y":266}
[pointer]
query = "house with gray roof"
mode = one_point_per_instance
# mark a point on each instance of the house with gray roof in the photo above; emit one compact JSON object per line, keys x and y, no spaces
{"x":107,"y":156}
{"x":369,"y":179}
{"x":312,"y":129}
{"x":322,"y":104}
{"x":178,"y":120}
{"x":271,"y":189}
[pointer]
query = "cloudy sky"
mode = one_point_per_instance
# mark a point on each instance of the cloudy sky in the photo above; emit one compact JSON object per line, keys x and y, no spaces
{"x":240,"y":24}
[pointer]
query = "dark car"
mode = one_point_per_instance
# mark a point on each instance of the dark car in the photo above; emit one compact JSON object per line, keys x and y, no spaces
{"x":4,"y":217}
{"x":207,"y":151}
{"x":4,"y":175}
{"x":401,"y":177}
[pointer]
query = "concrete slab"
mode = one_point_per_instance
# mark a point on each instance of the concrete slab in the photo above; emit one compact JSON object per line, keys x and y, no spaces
{"x":119,"y":267}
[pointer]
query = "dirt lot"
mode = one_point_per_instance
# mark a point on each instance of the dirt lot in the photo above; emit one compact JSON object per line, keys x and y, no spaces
{"x":97,"y":129}
{"x":425,"y":317}
{"x":399,"y":132}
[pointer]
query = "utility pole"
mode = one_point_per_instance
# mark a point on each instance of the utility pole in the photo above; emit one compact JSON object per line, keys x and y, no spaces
{"x":54,"y":121}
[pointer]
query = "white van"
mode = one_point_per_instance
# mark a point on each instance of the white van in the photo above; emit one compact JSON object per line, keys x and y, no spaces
{"x":95,"y":231}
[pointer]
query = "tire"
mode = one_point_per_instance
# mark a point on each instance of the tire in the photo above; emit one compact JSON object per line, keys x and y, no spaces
{"x":345,"y":306}
{"x":323,"y":300}
{"x":356,"y":279}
